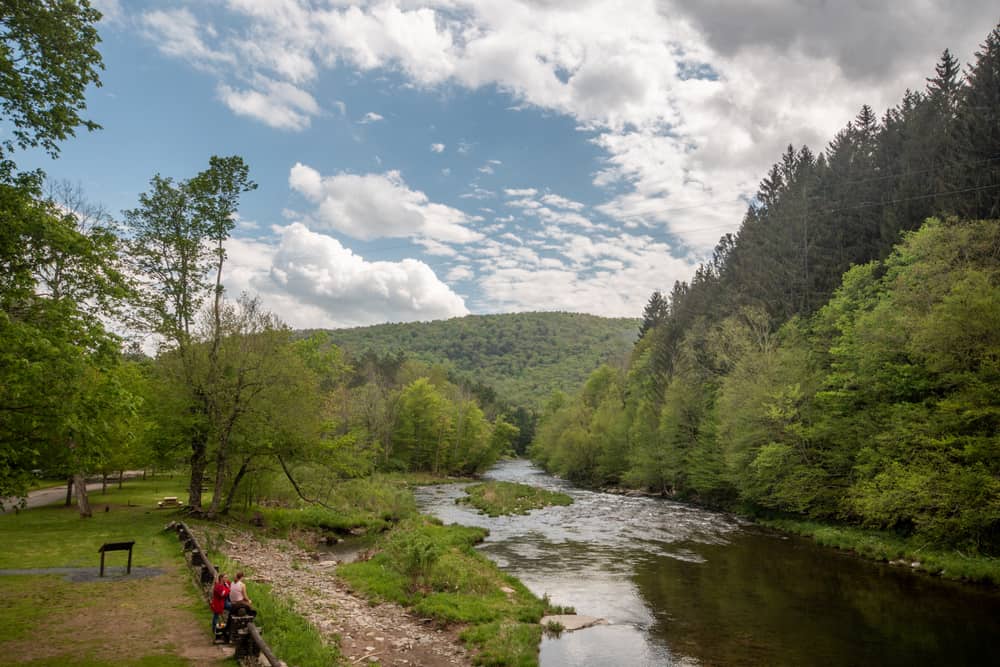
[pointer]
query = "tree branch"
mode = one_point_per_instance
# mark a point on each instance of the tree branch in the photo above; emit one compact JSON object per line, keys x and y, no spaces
{"x":295,"y":484}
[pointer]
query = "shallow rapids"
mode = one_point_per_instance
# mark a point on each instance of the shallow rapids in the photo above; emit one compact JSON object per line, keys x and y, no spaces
{"x":686,"y":586}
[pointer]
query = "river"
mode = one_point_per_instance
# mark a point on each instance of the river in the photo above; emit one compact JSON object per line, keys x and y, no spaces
{"x":685,"y":586}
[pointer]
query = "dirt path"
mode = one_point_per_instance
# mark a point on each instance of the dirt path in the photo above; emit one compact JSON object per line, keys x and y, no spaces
{"x":386,"y":633}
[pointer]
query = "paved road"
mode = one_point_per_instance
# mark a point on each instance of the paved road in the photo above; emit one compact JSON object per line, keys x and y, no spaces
{"x":57,"y":494}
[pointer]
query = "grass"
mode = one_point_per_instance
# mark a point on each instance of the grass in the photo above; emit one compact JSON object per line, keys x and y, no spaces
{"x":372,"y":505}
{"x":48,"y":620}
{"x":887,"y":546}
{"x":434,"y":570}
{"x":56,"y":536}
{"x":288,"y":633}
{"x":500,"y":498}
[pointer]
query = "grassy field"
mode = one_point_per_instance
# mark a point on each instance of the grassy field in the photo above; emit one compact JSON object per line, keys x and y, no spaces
{"x":56,"y":536}
{"x":49,"y":620}
{"x":886,"y":546}
{"x":500,"y":498}
{"x":430,"y":568}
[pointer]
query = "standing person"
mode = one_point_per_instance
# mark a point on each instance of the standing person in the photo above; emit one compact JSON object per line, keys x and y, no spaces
{"x":220,"y":600}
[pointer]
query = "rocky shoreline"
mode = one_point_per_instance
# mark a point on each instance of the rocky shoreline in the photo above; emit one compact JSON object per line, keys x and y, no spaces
{"x":365,"y":633}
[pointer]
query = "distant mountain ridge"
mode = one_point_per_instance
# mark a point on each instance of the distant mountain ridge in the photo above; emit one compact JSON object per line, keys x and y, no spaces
{"x":524,"y":357}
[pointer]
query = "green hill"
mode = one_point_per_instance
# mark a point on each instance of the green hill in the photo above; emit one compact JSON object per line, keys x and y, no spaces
{"x":524,"y":357}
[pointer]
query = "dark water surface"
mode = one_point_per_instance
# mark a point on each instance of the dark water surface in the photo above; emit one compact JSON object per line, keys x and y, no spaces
{"x":685,"y":586}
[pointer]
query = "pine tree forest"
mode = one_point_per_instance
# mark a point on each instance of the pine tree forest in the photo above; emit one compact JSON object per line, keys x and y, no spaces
{"x":838,"y":357}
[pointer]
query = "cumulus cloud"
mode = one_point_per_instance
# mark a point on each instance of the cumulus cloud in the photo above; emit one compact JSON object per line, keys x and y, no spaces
{"x":688,"y":100}
{"x":373,"y":206}
{"x":276,"y":103}
{"x":309,"y":279}
{"x":437,"y":148}
{"x":371,"y":117}
{"x":867,"y":40}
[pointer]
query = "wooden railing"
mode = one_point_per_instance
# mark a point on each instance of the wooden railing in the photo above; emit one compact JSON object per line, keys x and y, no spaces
{"x":245,"y":635}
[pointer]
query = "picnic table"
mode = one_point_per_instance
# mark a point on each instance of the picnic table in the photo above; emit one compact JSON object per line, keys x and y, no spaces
{"x":169,"y":501}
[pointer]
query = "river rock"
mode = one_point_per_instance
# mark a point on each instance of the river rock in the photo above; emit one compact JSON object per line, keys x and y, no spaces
{"x":571,"y":622}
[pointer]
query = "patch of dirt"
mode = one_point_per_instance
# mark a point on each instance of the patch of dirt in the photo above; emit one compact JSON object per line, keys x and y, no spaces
{"x":384,"y":633}
{"x":104,"y":621}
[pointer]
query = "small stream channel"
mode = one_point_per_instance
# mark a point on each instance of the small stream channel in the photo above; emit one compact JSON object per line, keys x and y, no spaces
{"x":685,"y":586}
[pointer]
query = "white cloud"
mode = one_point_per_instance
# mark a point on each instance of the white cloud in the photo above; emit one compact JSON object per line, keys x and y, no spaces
{"x":689,"y":101}
{"x":561,"y":202}
{"x":179,"y":34}
{"x":437,"y":148}
{"x":277,"y":103}
{"x":478,"y":193}
{"x":459,"y":273}
{"x":310,"y":279}
{"x":611,"y":276}
{"x":371,"y":117}
{"x":373,"y":206}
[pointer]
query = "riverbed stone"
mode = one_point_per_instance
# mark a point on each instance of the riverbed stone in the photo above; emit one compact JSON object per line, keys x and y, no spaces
{"x":571,"y":622}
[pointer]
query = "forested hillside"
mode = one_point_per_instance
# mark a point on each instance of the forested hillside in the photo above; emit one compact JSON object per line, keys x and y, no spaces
{"x":782,"y":379}
{"x":522,"y":357}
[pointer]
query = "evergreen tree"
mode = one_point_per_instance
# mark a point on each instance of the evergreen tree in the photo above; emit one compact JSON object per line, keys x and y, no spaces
{"x":977,"y":134}
{"x":654,"y":313}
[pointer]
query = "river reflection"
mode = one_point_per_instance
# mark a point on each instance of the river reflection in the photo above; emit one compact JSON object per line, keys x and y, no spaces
{"x":685,"y":586}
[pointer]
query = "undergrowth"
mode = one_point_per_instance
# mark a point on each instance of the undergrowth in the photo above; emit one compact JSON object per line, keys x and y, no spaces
{"x":434,"y":570}
{"x":887,"y":546}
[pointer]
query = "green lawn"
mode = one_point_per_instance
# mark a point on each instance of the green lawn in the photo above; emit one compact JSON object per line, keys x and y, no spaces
{"x":50,"y":620}
{"x":56,"y":536}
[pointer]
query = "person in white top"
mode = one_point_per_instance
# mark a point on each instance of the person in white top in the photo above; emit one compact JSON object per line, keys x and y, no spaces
{"x":238,"y":593}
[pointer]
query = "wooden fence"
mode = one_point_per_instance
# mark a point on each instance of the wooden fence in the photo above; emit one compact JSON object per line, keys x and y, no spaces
{"x":245,"y":637}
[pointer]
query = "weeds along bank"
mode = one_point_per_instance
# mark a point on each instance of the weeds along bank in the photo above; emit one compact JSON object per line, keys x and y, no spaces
{"x":414,"y":562}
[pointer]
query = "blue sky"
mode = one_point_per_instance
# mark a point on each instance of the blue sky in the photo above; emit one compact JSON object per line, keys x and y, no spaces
{"x":423,"y":160}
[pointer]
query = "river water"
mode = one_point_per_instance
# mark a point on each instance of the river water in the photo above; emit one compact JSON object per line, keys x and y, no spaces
{"x":685,"y":586}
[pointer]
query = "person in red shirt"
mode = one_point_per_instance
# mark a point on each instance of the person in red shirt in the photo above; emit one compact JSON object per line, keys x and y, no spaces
{"x":220,"y":600}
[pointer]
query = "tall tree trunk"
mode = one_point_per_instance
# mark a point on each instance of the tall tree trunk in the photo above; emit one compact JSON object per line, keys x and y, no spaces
{"x":69,"y":491}
{"x":220,"y":474}
{"x":236,"y":483}
{"x":104,"y":482}
{"x":121,"y":477}
{"x":82,"y":501}
{"x":198,"y":464}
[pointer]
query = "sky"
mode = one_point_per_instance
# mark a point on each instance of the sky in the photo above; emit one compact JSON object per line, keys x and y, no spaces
{"x":421,"y":160}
